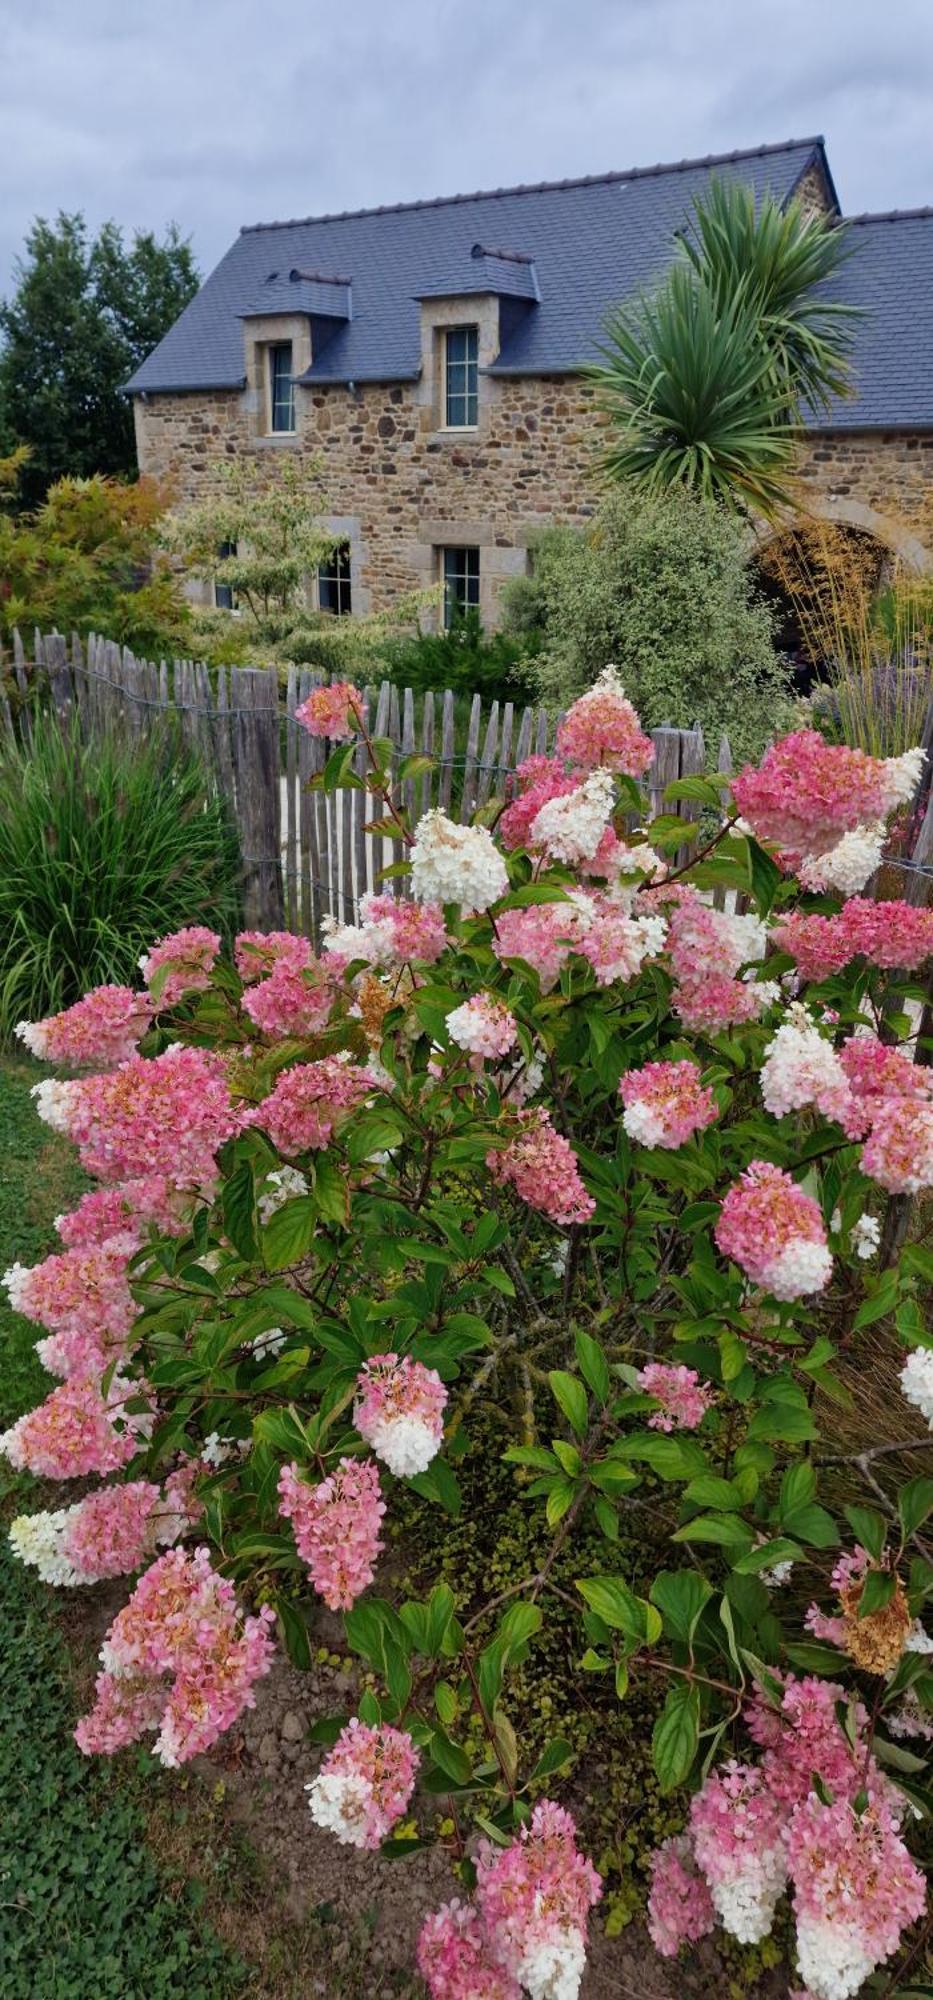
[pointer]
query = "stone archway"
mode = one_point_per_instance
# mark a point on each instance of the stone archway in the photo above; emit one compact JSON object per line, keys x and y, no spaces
{"x":840,"y":510}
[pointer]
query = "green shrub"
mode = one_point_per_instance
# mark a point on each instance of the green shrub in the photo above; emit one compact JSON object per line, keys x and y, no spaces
{"x":103,"y":847}
{"x":663,"y":588}
{"x":498,"y":665}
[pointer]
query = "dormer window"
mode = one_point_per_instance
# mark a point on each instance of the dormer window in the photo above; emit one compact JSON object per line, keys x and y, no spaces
{"x":281,"y":386}
{"x":461,"y":372}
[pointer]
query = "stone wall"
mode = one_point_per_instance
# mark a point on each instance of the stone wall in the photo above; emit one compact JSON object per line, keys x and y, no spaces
{"x":402,"y":487}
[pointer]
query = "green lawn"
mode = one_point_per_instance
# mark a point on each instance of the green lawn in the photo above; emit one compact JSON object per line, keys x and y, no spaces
{"x":84,"y":1914}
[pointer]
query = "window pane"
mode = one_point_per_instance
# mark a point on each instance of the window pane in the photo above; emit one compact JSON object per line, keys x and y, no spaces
{"x":333,"y":581}
{"x":461,"y":582}
{"x":223,"y":592}
{"x":462,"y":367}
{"x":281,"y":387}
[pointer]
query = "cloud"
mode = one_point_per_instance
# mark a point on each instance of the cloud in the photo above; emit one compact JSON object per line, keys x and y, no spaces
{"x":213,"y":113}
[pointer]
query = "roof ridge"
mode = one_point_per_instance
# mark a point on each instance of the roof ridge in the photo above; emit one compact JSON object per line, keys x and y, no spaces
{"x":890,"y":215}
{"x":542,"y":187}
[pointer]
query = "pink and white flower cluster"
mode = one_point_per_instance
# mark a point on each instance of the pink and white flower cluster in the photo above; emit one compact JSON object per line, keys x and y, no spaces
{"x":102,"y":1029}
{"x":807,"y":793}
{"x":364,"y":1784}
{"x":112,"y":1532}
{"x":708,"y":948}
{"x":166,"y":1115}
{"x":602,"y":729}
{"x":682,"y":1398}
{"x":458,"y":864}
{"x":180,"y":1658}
{"x":592,"y":925}
{"x":392,"y":931}
{"x":775,"y":1232}
{"x":814,"y":1814}
{"x":334,"y":712}
{"x":83,"y":1297}
{"x":484,"y":1026}
{"x":400,"y":1412}
{"x":893,"y":935}
{"x":78,"y":1429}
{"x":527,"y":1927}
{"x":666,"y":1103}
{"x":309,"y":1102}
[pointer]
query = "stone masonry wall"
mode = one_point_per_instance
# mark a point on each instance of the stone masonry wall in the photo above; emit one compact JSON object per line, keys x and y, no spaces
{"x":402,"y":488}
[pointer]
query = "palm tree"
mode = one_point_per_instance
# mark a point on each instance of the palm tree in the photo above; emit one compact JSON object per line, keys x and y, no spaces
{"x":705,"y":381}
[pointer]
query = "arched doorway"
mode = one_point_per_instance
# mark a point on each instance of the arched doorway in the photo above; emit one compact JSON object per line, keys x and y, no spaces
{"x":823,"y":581}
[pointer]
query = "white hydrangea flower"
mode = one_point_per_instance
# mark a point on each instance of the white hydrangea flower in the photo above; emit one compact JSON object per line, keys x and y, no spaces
{"x":777,"y":1575}
{"x":456,"y":864}
{"x":866,"y":1235}
{"x":917,"y":1381}
{"x":799,"y":1268}
{"x":556,"y":1259}
{"x":847,"y":866}
{"x":917,"y":1640}
{"x":339,"y":1802}
{"x":36,"y":1539}
{"x":744,"y":939}
{"x":55,"y":1102}
{"x":217,"y":1450}
{"x":901,"y":777}
{"x":405,"y":1444}
{"x":35,"y":1036}
{"x":746,"y":1903}
{"x":642,"y":1123}
{"x":268,"y":1343}
{"x":552,"y":1967}
{"x":14,"y":1283}
{"x":572,"y":826}
{"x":801,"y":1068}
{"x":831,"y":1958}
{"x":279,"y":1187}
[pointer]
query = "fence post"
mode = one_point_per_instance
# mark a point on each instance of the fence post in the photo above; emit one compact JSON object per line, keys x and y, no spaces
{"x":254,"y":701}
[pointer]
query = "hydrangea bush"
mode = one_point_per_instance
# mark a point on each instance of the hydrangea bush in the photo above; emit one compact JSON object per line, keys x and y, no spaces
{"x":570,"y":1129}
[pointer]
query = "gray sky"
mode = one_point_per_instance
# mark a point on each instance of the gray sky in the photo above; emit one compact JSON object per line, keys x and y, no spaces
{"x":216,"y":112}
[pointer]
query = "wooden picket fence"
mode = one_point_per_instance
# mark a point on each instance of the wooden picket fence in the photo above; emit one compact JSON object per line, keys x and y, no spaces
{"x":305,"y":854}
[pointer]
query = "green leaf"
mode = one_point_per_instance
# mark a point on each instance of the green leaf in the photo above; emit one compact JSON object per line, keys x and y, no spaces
{"x":782,"y":1423}
{"x":779,"y":1550}
{"x":812,"y":1524}
{"x":723,"y":1529}
{"x":238,"y":1210}
{"x":814,"y":1659}
{"x":680,"y":1596}
{"x":676,"y":1735}
{"x":288,"y":1235}
{"x":569,"y":1393}
{"x":670,"y":1457}
{"x":294,"y":1633}
{"x":766,"y":876}
{"x":869,"y":1528}
{"x":331,"y":1194}
{"x":618,"y":1606}
{"x":553,"y":1757}
{"x":710,"y":1491}
{"x":914,"y":1504}
{"x":877,"y":1591}
{"x":593,"y":1366}
{"x":440,"y":1484}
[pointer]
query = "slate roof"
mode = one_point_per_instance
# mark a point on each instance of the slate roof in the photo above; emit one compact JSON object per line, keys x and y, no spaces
{"x":562,"y":252}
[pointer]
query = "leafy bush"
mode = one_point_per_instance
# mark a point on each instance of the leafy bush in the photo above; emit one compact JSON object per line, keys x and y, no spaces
{"x":497,"y":665}
{"x":103,"y":846}
{"x":87,"y":560}
{"x":436,"y":1221}
{"x":663,"y":587}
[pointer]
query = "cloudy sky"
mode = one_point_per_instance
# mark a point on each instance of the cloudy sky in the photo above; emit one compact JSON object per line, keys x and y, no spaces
{"x":216,"y":112}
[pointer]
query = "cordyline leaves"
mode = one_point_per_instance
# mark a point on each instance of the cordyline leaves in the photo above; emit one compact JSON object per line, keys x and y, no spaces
{"x":706,"y":380}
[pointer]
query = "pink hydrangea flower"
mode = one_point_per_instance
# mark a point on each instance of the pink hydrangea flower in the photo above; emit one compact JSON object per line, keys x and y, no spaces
{"x":125,"y":1211}
{"x":683,"y":1398}
{"x":543,"y":935}
{"x":856,"y":1890}
{"x":602,"y":728}
{"x":898,"y":1152}
{"x":737,"y":1828}
{"x":774,"y":1232}
{"x":807,"y":793}
{"x":102,"y":1029}
{"x":536,"y":781}
{"x":455,"y":1958}
{"x":364,"y":1784}
{"x":76,"y":1431}
{"x":309,"y":1102}
{"x":534,"y":1898}
{"x":571,"y":827}
{"x":392,"y":931}
{"x":117,"y":1529}
{"x":334,"y":712}
{"x":665,"y":1103}
{"x":257,"y":953}
{"x":183,"y":1634}
{"x":877,"y":1074}
{"x":680,"y":1907}
{"x":400,"y":1412}
{"x":893,"y":935}
{"x":707,"y":949}
{"x":164,"y":1116}
{"x":336,"y":1527}
{"x":543,"y":1170}
{"x":483,"y":1025}
{"x":293,"y":1000}
{"x":803,"y":1739}
{"x":84,"y":1298}
{"x":180,"y":963}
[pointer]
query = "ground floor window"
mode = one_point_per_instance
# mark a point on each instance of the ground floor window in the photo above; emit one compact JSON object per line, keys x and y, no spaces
{"x":460,"y":572}
{"x":333,"y":582}
{"x":224,"y":597}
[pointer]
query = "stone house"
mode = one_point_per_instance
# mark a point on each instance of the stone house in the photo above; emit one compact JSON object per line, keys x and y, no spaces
{"x":428,"y":356}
